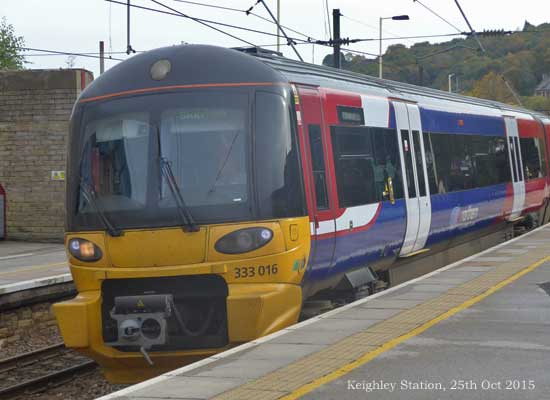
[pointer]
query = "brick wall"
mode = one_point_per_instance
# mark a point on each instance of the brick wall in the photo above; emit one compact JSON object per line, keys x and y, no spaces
{"x":35,"y":107}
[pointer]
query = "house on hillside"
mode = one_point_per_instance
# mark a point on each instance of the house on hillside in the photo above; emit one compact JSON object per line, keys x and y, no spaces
{"x":543,"y":88}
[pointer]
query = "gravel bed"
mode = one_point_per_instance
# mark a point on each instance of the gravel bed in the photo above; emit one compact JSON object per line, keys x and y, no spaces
{"x":32,"y":339}
{"x":84,"y":387}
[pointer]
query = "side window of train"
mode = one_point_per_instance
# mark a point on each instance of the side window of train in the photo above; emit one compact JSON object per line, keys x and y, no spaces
{"x":364,"y":158}
{"x":462,"y":162}
{"x":318,"y":165}
{"x":520,"y":170}
{"x":431,"y":166}
{"x":532,"y":154}
{"x":407,"y":153}
{"x":419,"y":167}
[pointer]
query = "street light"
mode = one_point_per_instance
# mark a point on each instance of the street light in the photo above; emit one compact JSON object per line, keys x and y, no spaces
{"x":395,"y":18}
{"x":450,"y":82}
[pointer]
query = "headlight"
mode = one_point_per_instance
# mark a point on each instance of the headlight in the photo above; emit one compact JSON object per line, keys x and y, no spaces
{"x":244,"y":240}
{"x":84,"y":250}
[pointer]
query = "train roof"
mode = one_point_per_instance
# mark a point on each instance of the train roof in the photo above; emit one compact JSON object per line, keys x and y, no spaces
{"x":205,"y":64}
{"x":297,"y":71}
{"x":189,"y":65}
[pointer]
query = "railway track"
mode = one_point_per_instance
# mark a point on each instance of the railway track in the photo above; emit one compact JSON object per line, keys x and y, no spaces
{"x":39,"y":370}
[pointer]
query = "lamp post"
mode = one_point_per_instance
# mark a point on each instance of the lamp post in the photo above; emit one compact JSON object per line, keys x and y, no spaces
{"x":395,"y":18}
{"x":450,"y":82}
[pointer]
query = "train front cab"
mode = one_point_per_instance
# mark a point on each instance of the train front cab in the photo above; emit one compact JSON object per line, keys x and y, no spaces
{"x":156,"y":290}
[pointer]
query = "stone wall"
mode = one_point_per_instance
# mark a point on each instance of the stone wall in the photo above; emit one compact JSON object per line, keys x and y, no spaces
{"x":35,"y":107}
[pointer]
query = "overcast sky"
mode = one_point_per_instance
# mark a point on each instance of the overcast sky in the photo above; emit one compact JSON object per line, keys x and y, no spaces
{"x":78,"y":25}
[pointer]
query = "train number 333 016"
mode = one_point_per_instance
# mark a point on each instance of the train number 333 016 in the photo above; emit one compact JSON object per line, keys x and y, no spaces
{"x":261,"y":270}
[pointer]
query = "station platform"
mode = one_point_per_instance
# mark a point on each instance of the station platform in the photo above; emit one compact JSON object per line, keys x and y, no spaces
{"x":476,"y":329}
{"x":26,"y":265}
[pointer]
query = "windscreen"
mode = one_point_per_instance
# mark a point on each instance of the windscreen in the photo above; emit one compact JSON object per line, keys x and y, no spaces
{"x":132,"y":157}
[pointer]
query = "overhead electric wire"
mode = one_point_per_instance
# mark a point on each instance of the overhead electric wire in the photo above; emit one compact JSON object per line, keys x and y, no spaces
{"x":411,"y":37}
{"x":244,"y":12}
{"x":318,"y":44}
{"x":210,"y":5}
{"x":289,"y":41}
{"x":360,"y":52}
{"x":297,"y":40}
{"x":249,"y":9}
{"x":66,"y":53}
{"x":79,"y":54}
{"x":367,"y":25}
{"x":202,"y":22}
{"x":437,"y":15}
{"x":207,"y":21}
{"x":472,"y":31}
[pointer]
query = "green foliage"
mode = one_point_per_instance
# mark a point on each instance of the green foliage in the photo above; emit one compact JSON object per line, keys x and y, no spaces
{"x":537,"y":103}
{"x":521,"y":57}
{"x":10,"y":47}
{"x":492,"y":87}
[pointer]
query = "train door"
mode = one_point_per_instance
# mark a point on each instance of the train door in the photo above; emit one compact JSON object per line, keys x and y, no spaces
{"x":317,"y":173}
{"x":516,"y":165}
{"x":415,"y":178}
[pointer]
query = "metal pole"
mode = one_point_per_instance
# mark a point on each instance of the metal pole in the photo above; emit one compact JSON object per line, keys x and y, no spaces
{"x":128,"y":46}
{"x":380,"y":52}
{"x":336,"y":37}
{"x":278,"y":23}
{"x":101,"y":57}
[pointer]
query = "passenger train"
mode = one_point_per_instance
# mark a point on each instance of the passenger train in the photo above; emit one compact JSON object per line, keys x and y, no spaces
{"x":211,"y":191}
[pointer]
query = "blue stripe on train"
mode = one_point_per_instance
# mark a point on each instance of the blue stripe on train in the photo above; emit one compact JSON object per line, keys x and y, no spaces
{"x":466,"y":211}
{"x":448,"y":122}
{"x":359,"y":248}
{"x":453,"y":214}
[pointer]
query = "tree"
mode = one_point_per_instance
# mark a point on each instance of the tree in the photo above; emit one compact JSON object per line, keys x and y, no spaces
{"x":537,"y":103}
{"x":10,"y":47}
{"x":523,"y":58}
{"x":492,"y":87}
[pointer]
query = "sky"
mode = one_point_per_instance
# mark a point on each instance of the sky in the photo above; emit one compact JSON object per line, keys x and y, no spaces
{"x":79,"y":25}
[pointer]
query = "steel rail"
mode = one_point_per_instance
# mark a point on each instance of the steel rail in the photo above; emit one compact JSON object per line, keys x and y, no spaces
{"x":44,"y":381}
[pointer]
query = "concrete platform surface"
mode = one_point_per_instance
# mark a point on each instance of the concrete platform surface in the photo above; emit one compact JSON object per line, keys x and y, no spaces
{"x":25,"y":265}
{"x":477,"y":329}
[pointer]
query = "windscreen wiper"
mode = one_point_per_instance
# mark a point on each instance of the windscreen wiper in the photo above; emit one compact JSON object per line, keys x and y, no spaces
{"x":186,"y":217}
{"x":90,"y":196}
{"x":166,"y":170}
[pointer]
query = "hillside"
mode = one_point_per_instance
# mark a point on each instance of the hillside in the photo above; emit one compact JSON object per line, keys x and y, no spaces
{"x":522,"y":57}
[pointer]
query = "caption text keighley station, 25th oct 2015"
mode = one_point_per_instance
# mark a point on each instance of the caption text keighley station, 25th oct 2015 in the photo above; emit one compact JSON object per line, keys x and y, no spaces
{"x":454,"y":384}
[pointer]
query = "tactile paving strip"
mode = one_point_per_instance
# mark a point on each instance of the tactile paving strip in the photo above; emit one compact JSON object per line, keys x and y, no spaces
{"x":336,"y":356}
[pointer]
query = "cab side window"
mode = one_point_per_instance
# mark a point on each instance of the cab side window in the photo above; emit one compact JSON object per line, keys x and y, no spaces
{"x":318,"y":166}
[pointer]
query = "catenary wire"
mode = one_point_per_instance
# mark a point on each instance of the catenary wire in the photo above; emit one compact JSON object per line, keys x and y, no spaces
{"x":244,"y":12}
{"x":367,"y":25}
{"x":202,"y":22}
{"x":437,"y":15}
{"x":66,"y":53}
{"x":207,"y":21}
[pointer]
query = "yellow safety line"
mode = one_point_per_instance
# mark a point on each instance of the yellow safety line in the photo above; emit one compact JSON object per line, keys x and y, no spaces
{"x":33,"y":268}
{"x":301,"y":391}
